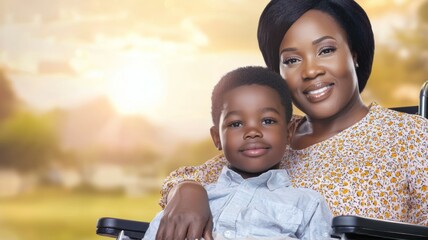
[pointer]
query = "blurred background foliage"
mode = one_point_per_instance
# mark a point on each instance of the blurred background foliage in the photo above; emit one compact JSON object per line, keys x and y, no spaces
{"x":401,"y":65}
{"x":58,"y":174}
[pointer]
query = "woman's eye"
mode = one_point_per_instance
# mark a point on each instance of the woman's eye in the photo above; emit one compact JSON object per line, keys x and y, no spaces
{"x":290,"y":61}
{"x":268,"y":121}
{"x":235,"y":124}
{"x":327,"y":50}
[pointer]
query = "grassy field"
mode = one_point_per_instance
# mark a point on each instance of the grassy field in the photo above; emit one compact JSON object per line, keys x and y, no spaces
{"x":61,"y":215}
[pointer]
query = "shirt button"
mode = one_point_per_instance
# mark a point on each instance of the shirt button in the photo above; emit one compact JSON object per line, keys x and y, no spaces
{"x":227,"y":234}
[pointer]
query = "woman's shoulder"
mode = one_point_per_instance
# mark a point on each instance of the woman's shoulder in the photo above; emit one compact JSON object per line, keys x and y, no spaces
{"x":398,"y":123}
{"x":395,"y":118}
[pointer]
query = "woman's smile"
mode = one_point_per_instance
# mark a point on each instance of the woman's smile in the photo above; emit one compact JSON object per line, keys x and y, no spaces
{"x":318,"y":92}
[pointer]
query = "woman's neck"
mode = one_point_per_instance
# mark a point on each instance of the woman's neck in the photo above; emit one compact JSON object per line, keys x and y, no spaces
{"x":312,"y":131}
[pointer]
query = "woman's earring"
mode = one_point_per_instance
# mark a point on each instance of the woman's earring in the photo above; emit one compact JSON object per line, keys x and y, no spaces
{"x":356,"y":65}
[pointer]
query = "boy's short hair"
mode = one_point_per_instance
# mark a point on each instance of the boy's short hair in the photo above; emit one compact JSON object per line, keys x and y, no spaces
{"x":247,"y":76}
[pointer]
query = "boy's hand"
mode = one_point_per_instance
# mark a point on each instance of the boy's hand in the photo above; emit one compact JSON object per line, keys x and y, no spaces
{"x":187,"y":214}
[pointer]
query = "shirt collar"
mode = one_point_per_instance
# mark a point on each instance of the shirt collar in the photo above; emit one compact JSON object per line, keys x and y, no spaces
{"x":274,"y":179}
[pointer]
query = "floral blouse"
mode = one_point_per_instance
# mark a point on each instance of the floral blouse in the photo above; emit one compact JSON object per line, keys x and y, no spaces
{"x":376,"y":168}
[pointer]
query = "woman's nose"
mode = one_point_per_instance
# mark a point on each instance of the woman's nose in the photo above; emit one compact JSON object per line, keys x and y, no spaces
{"x":311,"y":69}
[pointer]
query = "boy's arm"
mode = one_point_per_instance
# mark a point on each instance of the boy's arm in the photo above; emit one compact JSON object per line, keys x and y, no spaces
{"x":319,"y":221}
{"x":153,"y":227}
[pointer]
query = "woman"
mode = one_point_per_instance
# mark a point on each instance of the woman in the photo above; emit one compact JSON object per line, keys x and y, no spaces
{"x":365,"y":160}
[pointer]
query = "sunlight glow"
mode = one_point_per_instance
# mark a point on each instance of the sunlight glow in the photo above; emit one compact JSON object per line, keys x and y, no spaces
{"x":136,"y":88}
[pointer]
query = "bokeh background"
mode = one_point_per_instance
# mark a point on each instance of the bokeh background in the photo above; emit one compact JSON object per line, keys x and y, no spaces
{"x":101,"y":99}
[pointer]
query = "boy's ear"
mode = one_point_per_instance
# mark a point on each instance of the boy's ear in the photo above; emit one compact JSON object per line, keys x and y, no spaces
{"x":215,"y":136}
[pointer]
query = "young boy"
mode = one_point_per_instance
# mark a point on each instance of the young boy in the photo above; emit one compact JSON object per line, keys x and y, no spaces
{"x":251,"y":108}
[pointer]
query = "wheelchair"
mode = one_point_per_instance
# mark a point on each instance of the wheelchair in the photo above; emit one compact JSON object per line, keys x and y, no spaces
{"x":343,"y":227}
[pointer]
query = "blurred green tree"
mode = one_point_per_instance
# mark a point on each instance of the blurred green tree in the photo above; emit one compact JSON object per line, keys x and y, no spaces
{"x":191,"y":154}
{"x":27,"y":142}
{"x":8,"y":99}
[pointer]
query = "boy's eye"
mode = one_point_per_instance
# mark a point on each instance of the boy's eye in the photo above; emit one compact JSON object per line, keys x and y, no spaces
{"x":268,"y":121}
{"x":235,"y":124}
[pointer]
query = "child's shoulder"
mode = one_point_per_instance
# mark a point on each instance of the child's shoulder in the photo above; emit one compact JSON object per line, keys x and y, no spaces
{"x":309,"y":192}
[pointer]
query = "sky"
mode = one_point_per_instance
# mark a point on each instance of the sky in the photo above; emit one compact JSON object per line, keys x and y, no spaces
{"x":156,"y":58}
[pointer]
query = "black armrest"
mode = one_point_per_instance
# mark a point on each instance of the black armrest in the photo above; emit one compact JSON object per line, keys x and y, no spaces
{"x":355,"y":227}
{"x":111,"y":227}
{"x":407,"y":109}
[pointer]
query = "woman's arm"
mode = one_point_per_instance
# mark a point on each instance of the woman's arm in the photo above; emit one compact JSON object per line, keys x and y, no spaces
{"x":203,"y":174}
{"x":187,"y":213}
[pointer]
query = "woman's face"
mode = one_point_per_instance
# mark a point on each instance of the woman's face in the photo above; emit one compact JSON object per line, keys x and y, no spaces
{"x":318,"y":65}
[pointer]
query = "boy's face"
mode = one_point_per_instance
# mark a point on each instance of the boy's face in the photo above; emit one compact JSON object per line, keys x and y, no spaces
{"x":252,"y":129}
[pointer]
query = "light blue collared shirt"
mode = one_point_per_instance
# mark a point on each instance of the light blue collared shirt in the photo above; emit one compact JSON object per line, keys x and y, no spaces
{"x":263,"y":206}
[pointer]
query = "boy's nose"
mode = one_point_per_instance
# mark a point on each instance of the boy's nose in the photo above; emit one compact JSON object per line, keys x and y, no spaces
{"x":253,"y":132}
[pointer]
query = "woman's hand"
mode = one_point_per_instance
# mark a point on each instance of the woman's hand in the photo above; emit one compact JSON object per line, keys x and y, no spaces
{"x":187,"y":214}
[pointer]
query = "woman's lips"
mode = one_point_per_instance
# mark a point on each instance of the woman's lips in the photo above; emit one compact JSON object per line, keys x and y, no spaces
{"x":319,"y":92}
